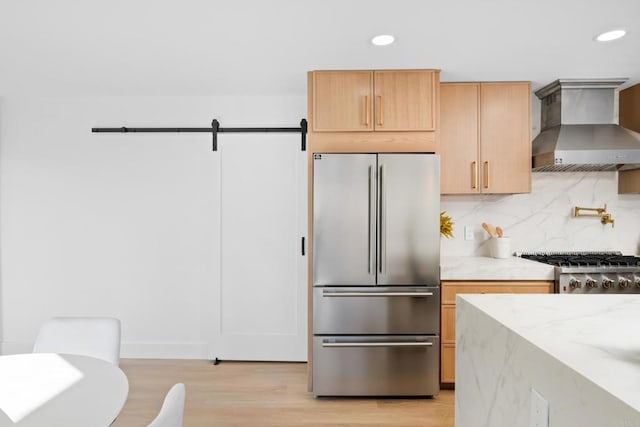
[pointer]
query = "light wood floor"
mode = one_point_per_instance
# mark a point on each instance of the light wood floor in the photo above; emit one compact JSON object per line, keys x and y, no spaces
{"x":264,"y":394}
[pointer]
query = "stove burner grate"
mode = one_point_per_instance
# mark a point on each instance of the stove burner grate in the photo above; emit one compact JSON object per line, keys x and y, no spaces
{"x":584,"y":259}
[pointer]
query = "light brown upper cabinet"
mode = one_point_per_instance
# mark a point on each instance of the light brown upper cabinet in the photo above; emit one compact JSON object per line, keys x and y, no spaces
{"x":629,"y":117}
{"x":485,"y":137}
{"x":389,"y":100}
{"x":629,"y":109}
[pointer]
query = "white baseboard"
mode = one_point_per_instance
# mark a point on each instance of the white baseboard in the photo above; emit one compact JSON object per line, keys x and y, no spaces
{"x":137,"y":350}
{"x":133,"y":350}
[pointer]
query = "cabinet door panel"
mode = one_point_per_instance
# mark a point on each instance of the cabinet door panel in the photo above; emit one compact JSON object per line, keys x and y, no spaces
{"x":629,"y":100}
{"x":629,"y":181}
{"x":448,"y":324}
{"x":459,"y":135}
{"x":343,"y":101}
{"x":404,"y":100}
{"x":448,"y":363}
{"x":505,"y":135}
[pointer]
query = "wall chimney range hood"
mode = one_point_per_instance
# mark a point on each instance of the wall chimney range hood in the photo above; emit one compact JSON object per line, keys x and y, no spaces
{"x":579,"y":130}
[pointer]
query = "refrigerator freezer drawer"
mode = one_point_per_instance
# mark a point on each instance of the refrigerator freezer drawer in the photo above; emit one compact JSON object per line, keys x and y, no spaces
{"x":376,"y":310}
{"x":376,"y":366}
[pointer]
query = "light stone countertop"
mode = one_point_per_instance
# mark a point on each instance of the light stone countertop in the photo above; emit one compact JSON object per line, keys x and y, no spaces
{"x":485,"y":268}
{"x":594,"y":335}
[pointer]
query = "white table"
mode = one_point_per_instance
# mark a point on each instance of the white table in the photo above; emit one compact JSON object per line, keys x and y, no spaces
{"x":46,"y":389}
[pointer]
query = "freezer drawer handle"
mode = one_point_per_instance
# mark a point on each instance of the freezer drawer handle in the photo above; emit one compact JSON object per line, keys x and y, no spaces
{"x":377,"y":294}
{"x":377,"y":344}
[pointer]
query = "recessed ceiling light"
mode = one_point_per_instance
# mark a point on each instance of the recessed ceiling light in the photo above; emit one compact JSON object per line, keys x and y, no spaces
{"x":610,"y":35}
{"x":383,"y":40}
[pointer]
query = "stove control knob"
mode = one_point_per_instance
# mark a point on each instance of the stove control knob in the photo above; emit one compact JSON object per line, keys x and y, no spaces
{"x":623,"y":283}
{"x":637,"y":282}
{"x":573,"y":284}
{"x":591,"y":283}
{"x":606,"y":283}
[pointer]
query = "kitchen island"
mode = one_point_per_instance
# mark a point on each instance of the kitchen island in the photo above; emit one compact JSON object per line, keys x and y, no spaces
{"x":581,"y":353}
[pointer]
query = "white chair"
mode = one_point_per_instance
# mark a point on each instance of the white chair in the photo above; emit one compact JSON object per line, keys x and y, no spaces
{"x":172,"y":410}
{"x":97,"y":337}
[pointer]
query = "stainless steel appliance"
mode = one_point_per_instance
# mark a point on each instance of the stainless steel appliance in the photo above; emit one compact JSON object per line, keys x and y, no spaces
{"x":592,"y":272}
{"x":579,"y":130}
{"x":376,"y":274}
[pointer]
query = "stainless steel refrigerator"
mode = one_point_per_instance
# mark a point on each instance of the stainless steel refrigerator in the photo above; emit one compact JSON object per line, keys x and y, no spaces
{"x":376,"y":274}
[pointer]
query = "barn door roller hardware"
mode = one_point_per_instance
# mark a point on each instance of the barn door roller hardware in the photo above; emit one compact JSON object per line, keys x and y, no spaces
{"x":215,"y":129}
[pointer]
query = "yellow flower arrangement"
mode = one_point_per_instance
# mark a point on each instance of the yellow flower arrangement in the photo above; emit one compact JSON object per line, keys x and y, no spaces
{"x":446,"y":225}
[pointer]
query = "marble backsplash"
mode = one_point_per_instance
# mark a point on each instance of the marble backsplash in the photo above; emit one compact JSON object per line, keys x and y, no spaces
{"x":543,"y":219}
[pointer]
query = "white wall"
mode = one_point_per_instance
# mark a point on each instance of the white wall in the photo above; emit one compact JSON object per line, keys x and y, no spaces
{"x":116,"y":224}
{"x":123,"y":224}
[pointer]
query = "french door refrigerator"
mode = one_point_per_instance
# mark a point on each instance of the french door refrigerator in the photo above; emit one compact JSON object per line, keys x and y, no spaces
{"x":376,"y":274}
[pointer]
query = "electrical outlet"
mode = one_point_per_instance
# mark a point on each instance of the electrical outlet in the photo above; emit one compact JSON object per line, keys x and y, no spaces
{"x":468,"y":232}
{"x":539,"y":410}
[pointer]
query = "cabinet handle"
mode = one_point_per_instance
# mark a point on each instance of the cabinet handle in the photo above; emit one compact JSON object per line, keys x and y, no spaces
{"x":474,"y":174}
{"x":367,"y":110}
{"x":487,"y":182}
{"x":380,"y":112}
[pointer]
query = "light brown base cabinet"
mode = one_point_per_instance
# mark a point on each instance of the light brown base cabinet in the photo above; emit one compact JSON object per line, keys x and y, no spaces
{"x":448,"y":313}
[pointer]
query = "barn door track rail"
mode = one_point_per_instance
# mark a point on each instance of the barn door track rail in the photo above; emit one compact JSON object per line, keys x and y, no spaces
{"x":215,"y":129}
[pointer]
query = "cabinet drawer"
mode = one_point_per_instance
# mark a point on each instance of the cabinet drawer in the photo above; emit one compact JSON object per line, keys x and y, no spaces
{"x":448,"y":324}
{"x":448,"y":363}
{"x":451,"y":289}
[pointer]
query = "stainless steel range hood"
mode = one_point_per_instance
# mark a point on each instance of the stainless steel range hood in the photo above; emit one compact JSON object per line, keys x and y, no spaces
{"x":579,"y":131}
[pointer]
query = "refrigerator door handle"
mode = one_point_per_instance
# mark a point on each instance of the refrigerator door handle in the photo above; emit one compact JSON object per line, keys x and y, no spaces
{"x":377,"y":294}
{"x":372,"y":251}
{"x":378,"y":344}
{"x":381,"y":220}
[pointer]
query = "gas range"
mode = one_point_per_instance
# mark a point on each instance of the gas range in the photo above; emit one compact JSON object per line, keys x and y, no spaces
{"x":592,"y":272}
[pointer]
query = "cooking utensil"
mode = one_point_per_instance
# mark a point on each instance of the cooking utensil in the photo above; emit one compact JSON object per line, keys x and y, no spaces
{"x":499,"y":231}
{"x":489,"y":229}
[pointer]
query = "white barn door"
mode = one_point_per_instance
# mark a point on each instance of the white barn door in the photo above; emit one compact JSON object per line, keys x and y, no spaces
{"x":261,"y":295}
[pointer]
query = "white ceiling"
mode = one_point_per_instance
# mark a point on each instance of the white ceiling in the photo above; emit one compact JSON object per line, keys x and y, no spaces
{"x":200,"y":47}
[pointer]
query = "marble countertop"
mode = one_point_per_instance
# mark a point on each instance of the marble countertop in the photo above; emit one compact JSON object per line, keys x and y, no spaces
{"x":485,"y":268}
{"x":595,"y":335}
